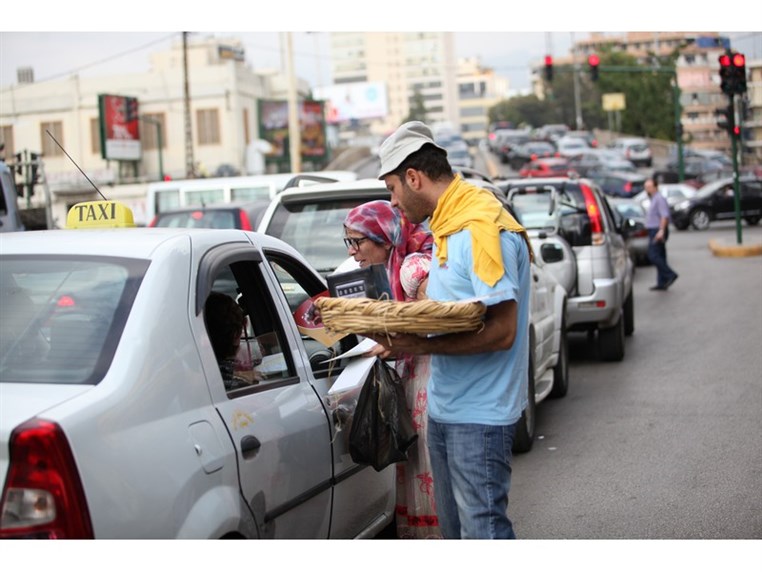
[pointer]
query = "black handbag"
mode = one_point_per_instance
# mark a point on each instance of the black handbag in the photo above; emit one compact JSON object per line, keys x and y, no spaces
{"x":382,"y":428}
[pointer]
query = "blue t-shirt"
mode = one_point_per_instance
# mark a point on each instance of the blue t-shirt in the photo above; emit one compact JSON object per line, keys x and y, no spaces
{"x":488,"y":388}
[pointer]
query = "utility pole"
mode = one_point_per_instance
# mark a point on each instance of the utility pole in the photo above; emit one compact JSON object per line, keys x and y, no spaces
{"x":577,"y":105}
{"x":189,"y":162}
{"x":294,"y":135}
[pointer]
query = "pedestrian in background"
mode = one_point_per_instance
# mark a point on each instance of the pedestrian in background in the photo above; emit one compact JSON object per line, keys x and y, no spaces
{"x":657,"y":224}
{"x":377,"y":233}
{"x":478,"y":384}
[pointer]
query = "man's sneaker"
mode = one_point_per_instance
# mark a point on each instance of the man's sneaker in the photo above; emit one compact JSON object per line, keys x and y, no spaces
{"x":657,"y":287}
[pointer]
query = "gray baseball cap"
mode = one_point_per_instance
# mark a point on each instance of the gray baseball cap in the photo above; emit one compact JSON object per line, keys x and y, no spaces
{"x":406,"y":140}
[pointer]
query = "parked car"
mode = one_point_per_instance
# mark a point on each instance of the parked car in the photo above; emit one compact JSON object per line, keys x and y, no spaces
{"x":634,"y":149}
{"x":550,"y":167}
{"x":619,"y":183}
{"x":312,"y":219}
{"x":631,"y":216}
{"x":591,"y":257}
{"x":530,"y":151}
{"x":244,"y":216}
{"x":115,"y":421}
{"x":593,"y":160}
{"x":716,"y":201}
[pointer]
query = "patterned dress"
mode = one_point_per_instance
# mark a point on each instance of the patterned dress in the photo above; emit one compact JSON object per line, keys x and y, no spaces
{"x":416,"y":511}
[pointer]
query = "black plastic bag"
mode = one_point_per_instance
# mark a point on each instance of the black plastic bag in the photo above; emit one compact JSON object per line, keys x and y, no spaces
{"x":382,"y":428}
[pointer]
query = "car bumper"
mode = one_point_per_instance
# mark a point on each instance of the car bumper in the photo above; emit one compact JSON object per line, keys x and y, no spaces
{"x":600,"y":309}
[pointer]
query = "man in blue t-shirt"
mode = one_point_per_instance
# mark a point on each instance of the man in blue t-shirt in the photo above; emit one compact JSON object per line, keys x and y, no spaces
{"x":478,"y":385}
{"x":657,"y":225}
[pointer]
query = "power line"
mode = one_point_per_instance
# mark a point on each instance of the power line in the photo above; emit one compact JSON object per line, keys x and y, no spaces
{"x":104,"y":60}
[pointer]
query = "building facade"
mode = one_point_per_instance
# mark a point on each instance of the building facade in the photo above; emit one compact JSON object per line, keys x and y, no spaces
{"x":224,"y":96}
{"x":411,"y":64}
{"x":479,"y":88}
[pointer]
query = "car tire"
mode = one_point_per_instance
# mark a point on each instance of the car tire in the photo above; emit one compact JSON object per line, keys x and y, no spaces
{"x":752,"y":220}
{"x":629,"y":315}
{"x":681,"y":226}
{"x":700,"y":219}
{"x":611,"y":341}
{"x":561,"y":369}
{"x":524,"y":438}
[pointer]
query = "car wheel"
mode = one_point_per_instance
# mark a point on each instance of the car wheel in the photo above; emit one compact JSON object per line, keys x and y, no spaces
{"x":611,"y":341}
{"x":561,"y":370}
{"x":629,"y":315}
{"x":700,"y":219}
{"x":752,"y":220}
{"x":524,"y":439}
{"x":681,"y":226}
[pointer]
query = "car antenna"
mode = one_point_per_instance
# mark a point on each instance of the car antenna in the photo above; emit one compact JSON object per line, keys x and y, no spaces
{"x":75,"y":164}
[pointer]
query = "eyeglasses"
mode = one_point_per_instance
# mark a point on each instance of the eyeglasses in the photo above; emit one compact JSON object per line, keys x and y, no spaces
{"x":354,"y":242}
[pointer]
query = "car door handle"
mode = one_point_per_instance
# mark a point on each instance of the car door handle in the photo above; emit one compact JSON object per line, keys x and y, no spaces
{"x":249,"y":446}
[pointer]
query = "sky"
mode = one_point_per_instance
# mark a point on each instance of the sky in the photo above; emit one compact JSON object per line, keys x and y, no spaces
{"x":62,"y":40}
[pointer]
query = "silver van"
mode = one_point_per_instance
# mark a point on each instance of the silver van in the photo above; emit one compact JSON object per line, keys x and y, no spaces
{"x":10,"y":219}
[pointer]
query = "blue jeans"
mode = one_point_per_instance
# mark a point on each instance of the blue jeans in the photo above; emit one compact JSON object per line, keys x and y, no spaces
{"x":657,"y":254}
{"x":472,"y":475}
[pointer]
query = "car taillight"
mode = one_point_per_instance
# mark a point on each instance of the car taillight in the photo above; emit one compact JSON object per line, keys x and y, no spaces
{"x":594,"y":213}
{"x":154,"y":221}
{"x":43,"y":495}
{"x":245,"y":222}
{"x":533,"y":157}
{"x":628,"y":187}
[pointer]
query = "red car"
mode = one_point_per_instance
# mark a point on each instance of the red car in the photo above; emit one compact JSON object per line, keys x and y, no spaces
{"x":546,"y":167}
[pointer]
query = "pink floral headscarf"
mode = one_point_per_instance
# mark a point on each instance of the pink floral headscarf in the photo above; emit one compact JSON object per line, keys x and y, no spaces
{"x":384,"y":224}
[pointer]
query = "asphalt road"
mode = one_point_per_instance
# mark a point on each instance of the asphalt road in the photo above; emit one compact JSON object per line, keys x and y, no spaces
{"x":666,"y":444}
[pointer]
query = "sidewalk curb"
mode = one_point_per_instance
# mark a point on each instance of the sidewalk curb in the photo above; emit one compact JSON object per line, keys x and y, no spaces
{"x":736,"y":251}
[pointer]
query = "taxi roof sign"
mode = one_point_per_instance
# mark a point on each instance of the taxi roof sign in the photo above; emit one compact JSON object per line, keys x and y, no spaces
{"x":100,"y":214}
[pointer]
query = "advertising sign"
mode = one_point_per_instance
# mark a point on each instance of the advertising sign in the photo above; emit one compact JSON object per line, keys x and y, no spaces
{"x":273,"y":117}
{"x":353,"y":101}
{"x":120,"y":128}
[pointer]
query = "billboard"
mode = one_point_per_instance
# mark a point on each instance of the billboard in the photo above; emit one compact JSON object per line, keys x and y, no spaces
{"x":348,"y":102}
{"x":120,"y":127}
{"x":273,"y":117}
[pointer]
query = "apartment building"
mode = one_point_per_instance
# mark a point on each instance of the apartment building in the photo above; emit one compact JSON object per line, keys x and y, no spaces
{"x":479,"y":88}
{"x":224,"y":110}
{"x":414,"y":66}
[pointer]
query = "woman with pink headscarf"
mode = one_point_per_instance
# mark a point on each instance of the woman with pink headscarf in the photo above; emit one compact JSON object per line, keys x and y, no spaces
{"x":377,"y":233}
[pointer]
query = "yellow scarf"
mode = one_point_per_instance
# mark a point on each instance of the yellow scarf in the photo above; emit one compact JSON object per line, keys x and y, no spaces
{"x":466,"y":206}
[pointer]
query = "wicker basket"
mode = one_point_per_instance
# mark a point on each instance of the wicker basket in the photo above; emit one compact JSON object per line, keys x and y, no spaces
{"x":364,"y":315}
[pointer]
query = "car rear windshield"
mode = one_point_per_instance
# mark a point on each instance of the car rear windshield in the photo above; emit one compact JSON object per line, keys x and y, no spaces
{"x":200,"y":219}
{"x":62,"y":316}
{"x":315,"y":229}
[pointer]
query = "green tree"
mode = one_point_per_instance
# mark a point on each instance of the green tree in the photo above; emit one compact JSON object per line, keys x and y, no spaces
{"x":417,"y":108}
{"x":522,"y":110}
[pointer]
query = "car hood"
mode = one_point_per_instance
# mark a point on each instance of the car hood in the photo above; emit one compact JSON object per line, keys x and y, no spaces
{"x":20,"y":402}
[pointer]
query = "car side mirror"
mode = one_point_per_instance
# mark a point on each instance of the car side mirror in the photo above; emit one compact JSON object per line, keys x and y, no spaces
{"x":551,"y":253}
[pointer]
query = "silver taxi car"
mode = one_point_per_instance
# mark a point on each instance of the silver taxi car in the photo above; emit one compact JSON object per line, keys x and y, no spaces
{"x":115,"y":421}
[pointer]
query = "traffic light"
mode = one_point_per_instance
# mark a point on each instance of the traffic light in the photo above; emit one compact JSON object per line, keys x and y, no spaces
{"x":34,"y":166}
{"x":18,"y":163}
{"x":738,"y":62}
{"x":725,"y":118}
{"x":593,"y":60}
{"x":732,"y":73}
{"x":549,"y":68}
{"x":726,"y":75}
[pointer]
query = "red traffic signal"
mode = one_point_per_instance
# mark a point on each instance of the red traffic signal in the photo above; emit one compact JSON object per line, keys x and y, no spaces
{"x":549,"y":68}
{"x":739,"y":60}
{"x":732,"y":73}
{"x":593,"y":60}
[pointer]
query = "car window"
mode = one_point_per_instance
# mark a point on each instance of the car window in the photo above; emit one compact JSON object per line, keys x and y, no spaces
{"x":199,"y":219}
{"x":261,"y":358}
{"x":315,"y":229}
{"x":62,"y":317}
